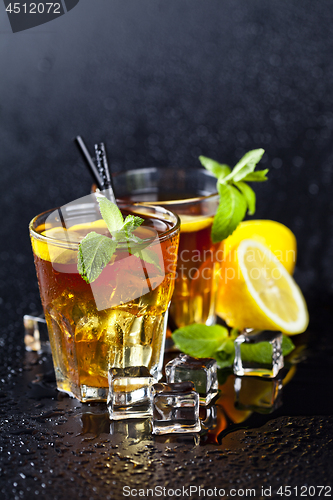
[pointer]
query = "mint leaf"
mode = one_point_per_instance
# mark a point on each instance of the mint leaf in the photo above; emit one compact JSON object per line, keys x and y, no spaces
{"x":230,"y":212}
{"x":259,"y":176}
{"x":200,"y":341}
{"x":131,"y":223}
{"x":246,"y":165}
{"x":235,"y":196}
{"x":149,"y":257}
{"x":249,"y":196}
{"x":217,"y":169}
{"x":262,"y":352}
{"x":225,"y":354}
{"x":95,"y":252}
{"x":111,"y":214}
{"x":287,"y":345}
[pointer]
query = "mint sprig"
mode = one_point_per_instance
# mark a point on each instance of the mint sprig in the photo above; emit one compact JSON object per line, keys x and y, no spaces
{"x":236,"y":196}
{"x":202,"y":341}
{"x":96,"y":250}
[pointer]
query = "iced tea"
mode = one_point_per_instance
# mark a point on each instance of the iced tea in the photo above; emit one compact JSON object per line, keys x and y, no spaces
{"x":117,"y":321}
{"x":190,"y":193}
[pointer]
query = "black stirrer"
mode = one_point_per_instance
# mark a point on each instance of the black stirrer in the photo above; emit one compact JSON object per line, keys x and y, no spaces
{"x":92,"y":167}
{"x":104,"y":172}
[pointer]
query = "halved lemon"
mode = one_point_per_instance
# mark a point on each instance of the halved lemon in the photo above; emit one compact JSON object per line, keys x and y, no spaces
{"x":191,"y":223}
{"x":274,"y":235}
{"x":256,"y":291}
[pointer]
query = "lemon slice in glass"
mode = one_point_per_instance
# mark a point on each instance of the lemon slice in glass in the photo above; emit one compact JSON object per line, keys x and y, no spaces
{"x":191,"y":223}
{"x":256,"y":291}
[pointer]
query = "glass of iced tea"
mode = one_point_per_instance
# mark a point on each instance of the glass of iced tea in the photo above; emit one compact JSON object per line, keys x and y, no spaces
{"x":190,"y":193}
{"x":120,"y":319}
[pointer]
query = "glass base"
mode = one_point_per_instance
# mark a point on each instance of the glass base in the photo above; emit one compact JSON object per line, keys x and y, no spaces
{"x":87,"y":394}
{"x":83,"y":393}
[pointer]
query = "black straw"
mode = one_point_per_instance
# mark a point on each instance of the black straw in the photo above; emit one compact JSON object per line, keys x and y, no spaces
{"x":103,"y":170}
{"x":90,"y":163}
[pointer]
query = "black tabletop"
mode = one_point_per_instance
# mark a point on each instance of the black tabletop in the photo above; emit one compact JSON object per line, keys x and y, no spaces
{"x":53,"y":446}
{"x":162,"y":83}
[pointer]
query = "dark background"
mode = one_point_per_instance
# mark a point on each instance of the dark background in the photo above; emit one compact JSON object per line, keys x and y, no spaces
{"x":162,"y":82}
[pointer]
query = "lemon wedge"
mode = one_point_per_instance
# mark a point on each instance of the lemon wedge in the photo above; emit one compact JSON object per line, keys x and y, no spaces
{"x":53,"y":249}
{"x":194,"y":223}
{"x":256,"y":291}
{"x":274,"y":235}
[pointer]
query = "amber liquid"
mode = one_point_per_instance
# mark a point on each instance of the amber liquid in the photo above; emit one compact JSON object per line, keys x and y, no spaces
{"x":193,"y":300}
{"x":87,"y":335}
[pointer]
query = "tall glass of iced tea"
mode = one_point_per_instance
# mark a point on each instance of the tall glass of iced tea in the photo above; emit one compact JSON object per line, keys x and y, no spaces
{"x":120,"y":319}
{"x":191,"y":193}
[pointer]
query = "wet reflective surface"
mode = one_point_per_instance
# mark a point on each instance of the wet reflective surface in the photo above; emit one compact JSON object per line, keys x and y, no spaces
{"x":254,"y":434}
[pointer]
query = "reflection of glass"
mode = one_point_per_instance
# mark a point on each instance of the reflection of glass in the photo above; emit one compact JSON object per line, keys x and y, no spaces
{"x":138,"y":430}
{"x":192,"y":195}
{"x":120,"y":319}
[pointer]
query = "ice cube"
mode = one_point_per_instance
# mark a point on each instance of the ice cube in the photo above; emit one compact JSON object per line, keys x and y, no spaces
{"x":208,"y":417}
{"x":175,"y":408}
{"x":202,"y":372}
{"x":258,"y":394}
{"x":35,"y":333}
{"x":130,"y":393}
{"x":250,"y":338}
{"x":87,"y":329}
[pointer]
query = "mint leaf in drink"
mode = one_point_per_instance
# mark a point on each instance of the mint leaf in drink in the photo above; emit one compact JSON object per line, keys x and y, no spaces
{"x":200,"y":341}
{"x":131,"y":223}
{"x":148,"y":256}
{"x":217,"y":169}
{"x":111,"y":214}
{"x":230,"y":212}
{"x":95,"y":252}
{"x":236,"y":197}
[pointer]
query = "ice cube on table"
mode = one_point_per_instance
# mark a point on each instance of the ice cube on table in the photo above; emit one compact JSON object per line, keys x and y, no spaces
{"x":258,"y":394}
{"x":175,"y":408}
{"x":36,"y":336}
{"x":130,"y":393}
{"x":202,"y":372}
{"x":208,"y":417}
{"x":245,"y":350}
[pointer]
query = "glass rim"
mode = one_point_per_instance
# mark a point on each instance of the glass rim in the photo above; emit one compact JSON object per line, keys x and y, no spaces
{"x":74,"y":245}
{"x":170,"y":202}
